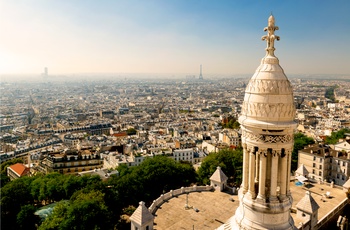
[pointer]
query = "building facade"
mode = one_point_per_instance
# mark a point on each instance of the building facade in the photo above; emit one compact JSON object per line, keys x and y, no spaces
{"x":325,"y":164}
{"x":72,"y":161}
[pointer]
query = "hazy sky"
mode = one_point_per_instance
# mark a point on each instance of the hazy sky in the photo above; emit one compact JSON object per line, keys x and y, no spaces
{"x":171,"y":36}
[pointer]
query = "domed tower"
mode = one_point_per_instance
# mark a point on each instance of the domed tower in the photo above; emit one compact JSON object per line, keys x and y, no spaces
{"x":267,"y":122}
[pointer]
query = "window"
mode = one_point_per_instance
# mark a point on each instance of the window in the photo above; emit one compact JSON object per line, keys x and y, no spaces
{"x":313,"y":171}
{"x":330,"y":160}
{"x":343,"y":163}
{"x":314,"y":158}
{"x":320,"y":160}
{"x":320,"y":167}
{"x":320,"y":173}
{"x":314,"y":165}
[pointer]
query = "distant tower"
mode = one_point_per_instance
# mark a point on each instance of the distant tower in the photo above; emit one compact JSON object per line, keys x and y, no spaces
{"x":46,"y":72}
{"x":200,"y":74}
{"x":267,"y":122}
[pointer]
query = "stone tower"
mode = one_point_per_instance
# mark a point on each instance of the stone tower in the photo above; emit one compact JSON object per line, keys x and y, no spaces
{"x":267,"y":122}
{"x":142,"y":218}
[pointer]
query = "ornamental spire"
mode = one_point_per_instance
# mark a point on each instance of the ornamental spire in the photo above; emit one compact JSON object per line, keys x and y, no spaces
{"x":270,"y":37}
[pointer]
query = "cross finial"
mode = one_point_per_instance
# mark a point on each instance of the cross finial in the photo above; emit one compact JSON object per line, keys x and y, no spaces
{"x":270,"y":37}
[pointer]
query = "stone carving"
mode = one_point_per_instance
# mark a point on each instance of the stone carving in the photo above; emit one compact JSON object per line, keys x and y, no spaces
{"x":262,"y":138}
{"x":269,"y":87}
{"x":270,"y":37}
{"x":250,"y":148}
{"x":268,"y":61}
{"x":288,"y":152}
{"x":263,"y":153}
{"x":278,"y":110}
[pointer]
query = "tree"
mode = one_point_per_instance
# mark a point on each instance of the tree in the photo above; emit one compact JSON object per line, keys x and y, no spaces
{"x":54,"y":220}
{"x":230,"y":161}
{"x":335,"y":136}
{"x":48,"y":188}
{"x":14,"y":195}
{"x":300,"y":141}
{"x":161,"y":174}
{"x":131,"y":131}
{"x":26,"y":218}
{"x":55,"y":186}
{"x":71,"y":184}
{"x":85,"y":210}
{"x":236,"y":125}
{"x":150,"y":179}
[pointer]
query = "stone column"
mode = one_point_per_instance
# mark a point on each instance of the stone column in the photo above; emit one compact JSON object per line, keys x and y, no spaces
{"x":252,"y":173}
{"x":257,"y":162}
{"x":284,"y":173}
{"x":262,"y":175}
{"x":274,"y":167}
{"x":289,"y":161}
{"x":245,"y":178}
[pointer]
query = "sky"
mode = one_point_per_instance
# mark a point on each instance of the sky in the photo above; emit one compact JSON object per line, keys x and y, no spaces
{"x":171,"y":36}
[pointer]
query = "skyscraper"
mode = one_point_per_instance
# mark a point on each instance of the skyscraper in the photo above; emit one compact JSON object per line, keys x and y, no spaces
{"x":45,"y":73}
{"x":267,"y":122}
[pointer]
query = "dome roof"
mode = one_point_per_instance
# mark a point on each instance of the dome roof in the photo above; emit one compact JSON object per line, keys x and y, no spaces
{"x":268,"y":99}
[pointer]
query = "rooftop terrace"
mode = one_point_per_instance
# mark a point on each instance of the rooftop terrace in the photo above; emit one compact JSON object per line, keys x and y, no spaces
{"x":215,"y":208}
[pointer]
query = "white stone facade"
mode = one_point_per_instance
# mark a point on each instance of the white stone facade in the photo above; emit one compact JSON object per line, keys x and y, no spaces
{"x":184,"y":155}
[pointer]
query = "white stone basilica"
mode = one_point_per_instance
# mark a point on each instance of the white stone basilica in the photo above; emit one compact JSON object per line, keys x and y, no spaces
{"x":267,"y":123}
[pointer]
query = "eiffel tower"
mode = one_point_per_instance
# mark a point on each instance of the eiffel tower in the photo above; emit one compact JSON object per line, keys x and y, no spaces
{"x":200,"y":74}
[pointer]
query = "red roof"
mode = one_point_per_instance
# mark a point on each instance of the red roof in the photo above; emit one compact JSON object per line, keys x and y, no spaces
{"x":123,"y":134}
{"x":20,"y":169}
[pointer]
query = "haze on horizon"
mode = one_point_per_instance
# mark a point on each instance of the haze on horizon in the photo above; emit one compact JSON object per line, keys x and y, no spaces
{"x":174,"y":36}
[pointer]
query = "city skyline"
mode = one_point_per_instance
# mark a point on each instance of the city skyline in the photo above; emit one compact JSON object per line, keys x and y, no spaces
{"x":173,"y":37}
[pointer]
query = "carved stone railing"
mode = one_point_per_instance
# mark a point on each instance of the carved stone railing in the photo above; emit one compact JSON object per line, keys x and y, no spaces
{"x":174,"y":193}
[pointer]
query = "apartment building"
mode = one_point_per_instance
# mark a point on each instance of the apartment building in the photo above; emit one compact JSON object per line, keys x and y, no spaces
{"x":17,"y":170}
{"x":71,"y":161}
{"x":230,"y":137}
{"x":184,"y":155}
{"x":325,"y":164}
